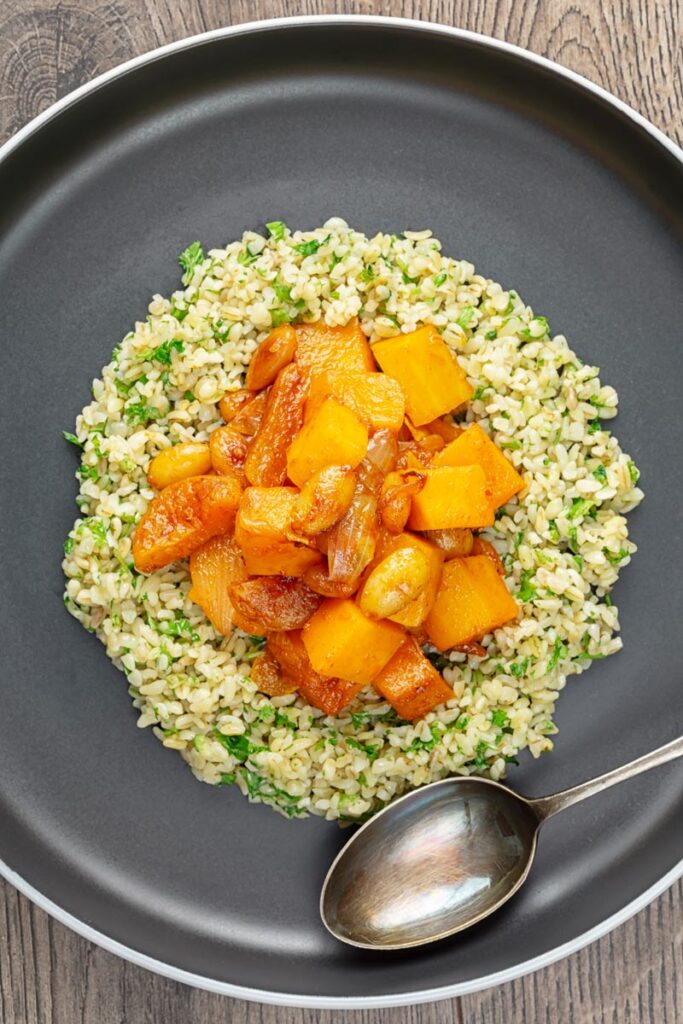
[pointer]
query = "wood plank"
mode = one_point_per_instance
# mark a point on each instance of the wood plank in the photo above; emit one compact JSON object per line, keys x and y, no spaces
{"x":49,"y":975}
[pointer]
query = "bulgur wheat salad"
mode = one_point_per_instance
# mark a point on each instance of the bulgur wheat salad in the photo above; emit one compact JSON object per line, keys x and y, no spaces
{"x":464,"y":366}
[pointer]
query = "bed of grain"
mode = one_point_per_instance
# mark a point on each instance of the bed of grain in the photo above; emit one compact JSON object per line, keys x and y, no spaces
{"x":563,"y":542}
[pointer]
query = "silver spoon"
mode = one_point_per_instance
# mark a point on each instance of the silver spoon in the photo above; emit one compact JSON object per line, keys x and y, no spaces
{"x":445,"y":856}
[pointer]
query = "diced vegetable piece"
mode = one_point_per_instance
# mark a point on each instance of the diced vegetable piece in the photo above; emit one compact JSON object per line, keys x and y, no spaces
{"x":395,"y":582}
{"x":229,"y":451}
{"x":411,"y":684}
{"x":264,"y":532}
{"x":266,"y":464}
{"x":323,"y":500}
{"x":395,"y":500}
{"x":248,"y":419}
{"x":334,"y":436}
{"x":342,"y":641}
{"x":472,"y":600}
{"x":321,"y":348}
{"x":318,"y":580}
{"x":214,"y":568}
{"x":431,"y":378}
{"x":328,"y":694}
{"x":183,"y":517}
{"x":485,"y":547}
{"x":232,"y":401}
{"x":414,"y":614}
{"x":453,"y":496}
{"x":377,"y":400}
{"x":475,"y":447}
{"x":274,"y":353}
{"x":191,"y":458}
{"x":278,"y":602}
{"x":351,"y":543}
{"x":268,"y":678}
{"x":454,"y":543}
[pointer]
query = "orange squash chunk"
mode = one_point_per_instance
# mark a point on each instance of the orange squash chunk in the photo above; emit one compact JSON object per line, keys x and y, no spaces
{"x":263,"y":530}
{"x":278,"y":602}
{"x":342,"y":641}
{"x":472,"y":600}
{"x":453,"y":496}
{"x":266,"y":464}
{"x":334,"y":436}
{"x":411,"y":684}
{"x":320,"y":348}
{"x":214,"y":568}
{"x":191,"y":458}
{"x":270,"y":357}
{"x":475,"y":447}
{"x":416,"y":612}
{"x":377,"y":400}
{"x":183,"y":517}
{"x":431,"y":378}
{"x":328,"y":694}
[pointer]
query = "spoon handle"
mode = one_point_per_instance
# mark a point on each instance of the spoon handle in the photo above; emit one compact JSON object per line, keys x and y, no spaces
{"x":545,"y":806}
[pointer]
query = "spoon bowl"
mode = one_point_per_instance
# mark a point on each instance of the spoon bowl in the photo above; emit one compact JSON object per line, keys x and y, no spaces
{"x":444,"y":857}
{"x":432,"y":863}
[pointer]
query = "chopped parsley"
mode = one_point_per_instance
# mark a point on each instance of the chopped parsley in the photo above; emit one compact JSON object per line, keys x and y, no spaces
{"x":240,"y":746}
{"x":191,"y":258}
{"x":438,"y":660}
{"x":500,"y":718}
{"x":527,"y":591}
{"x":68,"y":545}
{"x":460,"y":724}
{"x":479,"y":393}
{"x":615,"y":558}
{"x":71,"y":438}
{"x":370,"y":750}
{"x":140,"y":414}
{"x":517,"y":669}
{"x":512,"y":445}
{"x":366,"y":275}
{"x":164,"y":353}
{"x":97,"y":527}
{"x":465,"y":317}
{"x":481,"y":751}
{"x":559,"y":651}
{"x":419,"y":744}
{"x":600,"y":474}
{"x":439,"y":279}
{"x":308,"y":248}
{"x":580,"y":507}
{"x":594,"y":426}
{"x":633,"y":471}
{"x":179,"y":628}
{"x":276,"y":229}
{"x":491,"y":335}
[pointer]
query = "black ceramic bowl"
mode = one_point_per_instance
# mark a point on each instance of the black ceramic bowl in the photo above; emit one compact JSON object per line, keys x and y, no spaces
{"x":548,"y":185}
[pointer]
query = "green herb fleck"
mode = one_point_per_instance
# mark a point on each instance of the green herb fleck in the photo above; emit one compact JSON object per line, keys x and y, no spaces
{"x":559,"y":651}
{"x":68,"y":545}
{"x":615,"y":558}
{"x":633,"y":471}
{"x":600,"y":474}
{"x":500,"y":718}
{"x":308,"y":248}
{"x":141,"y":414}
{"x":579,"y":507}
{"x":512,"y":445}
{"x":71,"y":438}
{"x":517,"y":669}
{"x":594,"y":426}
{"x":419,"y":744}
{"x":465,"y":317}
{"x":191,"y":258}
{"x":480,"y":392}
{"x":527,"y":592}
{"x":276,"y":229}
{"x":371,"y":751}
{"x":439,"y":279}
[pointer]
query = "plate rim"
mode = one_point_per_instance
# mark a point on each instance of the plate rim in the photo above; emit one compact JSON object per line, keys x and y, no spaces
{"x":287,"y":998}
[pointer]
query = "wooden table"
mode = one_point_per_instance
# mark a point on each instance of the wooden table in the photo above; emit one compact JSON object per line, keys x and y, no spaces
{"x":49,"y":974}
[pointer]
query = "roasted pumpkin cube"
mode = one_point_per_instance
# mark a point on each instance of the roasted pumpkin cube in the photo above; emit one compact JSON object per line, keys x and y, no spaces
{"x":264,"y":532}
{"x":475,"y":447}
{"x":431,"y":378}
{"x":214,"y":568}
{"x":334,"y":436}
{"x":278,"y":602}
{"x":414,"y":614}
{"x":453,"y":496}
{"x":183,"y":517}
{"x":342,"y":641}
{"x":376,"y":399}
{"x":266,"y":463}
{"x":328,"y":694}
{"x":472,"y":600}
{"x":320,"y":348}
{"x":410,"y":683}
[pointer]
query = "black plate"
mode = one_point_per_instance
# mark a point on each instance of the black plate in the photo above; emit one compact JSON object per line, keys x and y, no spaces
{"x":544,"y":183}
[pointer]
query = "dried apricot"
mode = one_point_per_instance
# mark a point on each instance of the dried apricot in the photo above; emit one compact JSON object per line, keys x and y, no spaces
{"x":278,"y":602}
{"x":270,"y":357}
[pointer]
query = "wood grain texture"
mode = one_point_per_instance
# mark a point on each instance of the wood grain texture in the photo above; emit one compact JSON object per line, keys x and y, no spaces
{"x":49,"y":975}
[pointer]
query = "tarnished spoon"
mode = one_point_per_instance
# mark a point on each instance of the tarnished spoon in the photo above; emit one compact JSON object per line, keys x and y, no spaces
{"x":445,"y":856}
